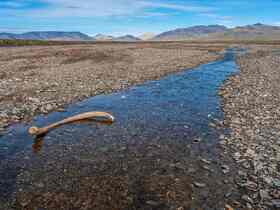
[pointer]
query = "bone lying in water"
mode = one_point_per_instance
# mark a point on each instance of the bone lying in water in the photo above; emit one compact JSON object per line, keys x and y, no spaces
{"x":85,"y":116}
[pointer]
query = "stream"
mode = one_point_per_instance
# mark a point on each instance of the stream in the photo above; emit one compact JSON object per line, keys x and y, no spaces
{"x":161,"y":153}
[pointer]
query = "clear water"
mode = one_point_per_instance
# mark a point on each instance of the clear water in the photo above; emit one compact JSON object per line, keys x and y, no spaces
{"x":173,"y":111}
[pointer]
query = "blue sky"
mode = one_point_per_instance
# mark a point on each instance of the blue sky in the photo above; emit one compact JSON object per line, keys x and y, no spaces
{"x":118,"y":17}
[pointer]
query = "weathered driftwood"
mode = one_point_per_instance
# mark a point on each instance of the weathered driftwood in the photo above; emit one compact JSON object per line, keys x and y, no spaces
{"x":35,"y":131}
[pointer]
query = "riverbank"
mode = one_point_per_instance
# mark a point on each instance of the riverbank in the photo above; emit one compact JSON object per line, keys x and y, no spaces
{"x":161,"y":153}
{"x":251,"y":104}
{"x":41,"y":79}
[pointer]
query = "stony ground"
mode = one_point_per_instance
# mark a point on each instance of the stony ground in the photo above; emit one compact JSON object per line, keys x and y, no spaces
{"x":251,"y":104}
{"x":37,"y":79}
{"x":41,"y":79}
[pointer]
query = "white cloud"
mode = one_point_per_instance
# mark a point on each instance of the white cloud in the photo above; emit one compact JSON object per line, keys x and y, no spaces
{"x":103,"y":8}
{"x":277,"y":23}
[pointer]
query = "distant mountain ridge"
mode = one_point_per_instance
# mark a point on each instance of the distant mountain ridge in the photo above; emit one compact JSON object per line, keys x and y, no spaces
{"x":193,"y":32}
{"x":102,"y":37}
{"x":48,"y":35}
{"x":256,"y":31}
{"x":127,"y":38}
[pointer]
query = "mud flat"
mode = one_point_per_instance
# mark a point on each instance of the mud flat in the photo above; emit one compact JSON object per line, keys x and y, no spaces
{"x":251,"y":102}
{"x":40,"y":79}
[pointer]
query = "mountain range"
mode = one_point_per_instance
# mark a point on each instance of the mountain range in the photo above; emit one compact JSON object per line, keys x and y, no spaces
{"x":201,"y":32}
{"x":190,"y":33}
{"x":125,"y":38}
{"x":48,"y":35}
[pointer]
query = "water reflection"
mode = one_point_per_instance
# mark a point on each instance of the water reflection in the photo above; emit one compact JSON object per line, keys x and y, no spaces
{"x":38,"y":141}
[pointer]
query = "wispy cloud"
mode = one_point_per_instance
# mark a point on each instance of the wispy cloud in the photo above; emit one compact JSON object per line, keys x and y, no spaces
{"x":101,"y":8}
{"x":216,"y":16}
{"x":179,"y":7}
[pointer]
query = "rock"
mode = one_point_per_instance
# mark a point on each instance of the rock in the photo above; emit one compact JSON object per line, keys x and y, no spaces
{"x":275,"y":193}
{"x":35,"y":100}
{"x":152,"y":203}
{"x":264,"y":195}
{"x":39,"y":185}
{"x":246,"y":165}
{"x":247,"y":199}
{"x":207,"y":168}
{"x":249,"y":206}
{"x":276,"y":203}
{"x":225,"y":169}
{"x":228,"y":207}
{"x":199,"y":184}
{"x":49,"y":107}
{"x":236,"y":156}
{"x":249,"y":185}
{"x":276,"y":182}
{"x":227,"y":195}
{"x":205,"y":161}
{"x":191,"y":170}
{"x":268,"y":180}
{"x":213,"y":125}
{"x":250,"y":153}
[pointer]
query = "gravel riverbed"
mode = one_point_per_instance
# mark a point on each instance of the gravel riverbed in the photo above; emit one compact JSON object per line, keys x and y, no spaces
{"x":35,"y":80}
{"x":251,"y":102}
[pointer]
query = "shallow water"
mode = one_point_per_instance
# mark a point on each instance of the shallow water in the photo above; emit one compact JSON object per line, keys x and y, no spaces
{"x":160,"y":135}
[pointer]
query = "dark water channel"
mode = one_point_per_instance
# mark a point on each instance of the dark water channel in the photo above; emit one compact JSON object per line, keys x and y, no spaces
{"x":161,"y":153}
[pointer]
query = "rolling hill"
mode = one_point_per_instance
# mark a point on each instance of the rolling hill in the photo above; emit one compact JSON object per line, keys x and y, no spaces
{"x":250,"y":32}
{"x":48,"y":35}
{"x":194,"y":32}
{"x":127,"y":38}
{"x":211,"y":32}
{"x":102,"y":37}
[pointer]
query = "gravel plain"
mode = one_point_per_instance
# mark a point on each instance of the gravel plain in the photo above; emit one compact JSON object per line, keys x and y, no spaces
{"x":41,"y":79}
{"x":38,"y":80}
{"x":251,"y":102}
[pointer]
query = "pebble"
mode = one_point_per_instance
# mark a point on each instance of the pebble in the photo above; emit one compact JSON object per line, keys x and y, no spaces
{"x":199,"y":184}
{"x":250,"y":103}
{"x":264,"y":195}
{"x":49,"y":107}
{"x":152,"y":203}
{"x":228,"y":207}
{"x":247,"y":199}
{"x":276,"y":182}
{"x":249,"y":206}
{"x":205,"y":161}
{"x":276,"y":203}
{"x":225,"y":169}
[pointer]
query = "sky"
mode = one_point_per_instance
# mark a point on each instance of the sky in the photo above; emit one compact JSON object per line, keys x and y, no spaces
{"x":119,"y":17}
